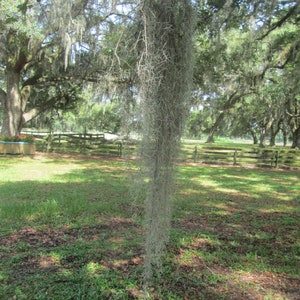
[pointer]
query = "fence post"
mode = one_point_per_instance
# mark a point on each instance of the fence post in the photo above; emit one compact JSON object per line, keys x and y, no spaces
{"x":276,"y":158}
{"x":234,"y":157}
{"x":49,"y":141}
{"x":84,"y":138}
{"x":120,"y":148}
{"x":195,"y":153}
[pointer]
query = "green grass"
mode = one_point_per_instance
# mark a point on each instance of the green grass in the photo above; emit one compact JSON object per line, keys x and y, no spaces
{"x":69,"y":230}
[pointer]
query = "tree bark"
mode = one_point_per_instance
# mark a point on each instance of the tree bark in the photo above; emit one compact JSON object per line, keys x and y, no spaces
{"x":254,"y":137}
{"x":14,"y":102}
{"x":294,"y":121}
{"x":296,"y":138}
{"x":12,"y":105}
{"x":263,"y":132}
{"x":285,"y":135}
{"x":262,"y":137}
{"x":274,"y":129}
{"x":230,"y":103}
{"x":210,"y":138}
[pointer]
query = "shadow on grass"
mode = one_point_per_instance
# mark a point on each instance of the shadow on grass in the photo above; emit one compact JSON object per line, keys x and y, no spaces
{"x":74,"y":236}
{"x":95,"y":262}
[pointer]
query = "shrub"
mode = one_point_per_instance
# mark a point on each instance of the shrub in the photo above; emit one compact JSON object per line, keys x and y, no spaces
{"x":26,"y":138}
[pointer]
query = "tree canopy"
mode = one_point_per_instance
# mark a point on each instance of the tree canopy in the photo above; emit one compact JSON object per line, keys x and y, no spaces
{"x":51,"y":48}
{"x":246,"y":61}
{"x":249,"y":59}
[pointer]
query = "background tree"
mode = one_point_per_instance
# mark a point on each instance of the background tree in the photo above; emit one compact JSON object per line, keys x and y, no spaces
{"x":252,"y":39}
{"x":93,"y":113}
{"x":54,"y":44}
{"x":26,"y":43}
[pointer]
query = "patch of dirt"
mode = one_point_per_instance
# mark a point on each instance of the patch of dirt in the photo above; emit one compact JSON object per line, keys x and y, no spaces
{"x":276,"y":285}
{"x":53,"y":237}
{"x":235,"y":285}
{"x":36,"y":238}
{"x":27,"y":240}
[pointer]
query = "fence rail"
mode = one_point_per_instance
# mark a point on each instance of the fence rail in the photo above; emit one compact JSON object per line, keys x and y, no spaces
{"x":96,"y":144}
{"x":88,"y":143}
{"x":273,"y":158}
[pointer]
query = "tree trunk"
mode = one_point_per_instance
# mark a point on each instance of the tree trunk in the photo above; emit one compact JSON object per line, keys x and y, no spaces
{"x":254,"y":137}
{"x":285,"y":137}
{"x":263,"y":132}
{"x":262,"y":137}
{"x":210,"y":138}
{"x":296,"y":138}
{"x":230,"y":103}
{"x":12,"y":105}
{"x":293,"y":113}
{"x":14,"y":102}
{"x":274,"y":131}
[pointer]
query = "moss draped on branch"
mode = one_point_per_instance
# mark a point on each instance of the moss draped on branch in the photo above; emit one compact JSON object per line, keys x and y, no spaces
{"x":165,"y":76}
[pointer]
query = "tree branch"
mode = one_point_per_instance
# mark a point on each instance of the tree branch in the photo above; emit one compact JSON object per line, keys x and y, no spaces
{"x":277,"y":24}
{"x":38,"y":80}
{"x":289,"y":55}
{"x":46,"y":106}
{"x":2,"y":95}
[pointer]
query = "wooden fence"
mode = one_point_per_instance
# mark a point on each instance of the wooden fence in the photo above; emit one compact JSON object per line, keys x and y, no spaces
{"x":96,"y":144}
{"x":86,"y":143}
{"x":273,"y":158}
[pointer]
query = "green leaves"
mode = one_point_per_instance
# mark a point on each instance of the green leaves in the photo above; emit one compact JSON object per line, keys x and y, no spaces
{"x":19,"y":17}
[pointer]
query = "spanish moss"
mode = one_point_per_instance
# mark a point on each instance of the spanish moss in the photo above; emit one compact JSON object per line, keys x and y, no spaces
{"x":165,"y":75}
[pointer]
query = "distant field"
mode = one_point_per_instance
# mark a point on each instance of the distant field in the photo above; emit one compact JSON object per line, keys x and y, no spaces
{"x":71,"y":228}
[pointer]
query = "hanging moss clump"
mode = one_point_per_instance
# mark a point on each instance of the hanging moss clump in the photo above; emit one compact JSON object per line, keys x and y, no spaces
{"x":165,"y":76}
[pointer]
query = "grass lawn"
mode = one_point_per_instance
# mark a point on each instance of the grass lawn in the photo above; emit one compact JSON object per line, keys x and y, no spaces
{"x":71,"y":229}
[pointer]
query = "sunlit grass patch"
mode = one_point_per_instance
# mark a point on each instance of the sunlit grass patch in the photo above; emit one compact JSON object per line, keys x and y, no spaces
{"x":72,"y":232}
